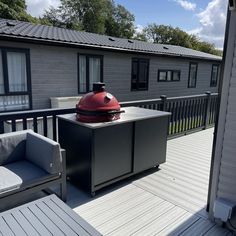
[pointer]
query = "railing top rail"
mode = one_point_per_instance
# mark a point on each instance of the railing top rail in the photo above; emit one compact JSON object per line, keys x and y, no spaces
{"x":35,"y":113}
{"x":151,"y":101}
{"x":214,"y":94}
{"x":140,"y":102}
{"x":191,"y":97}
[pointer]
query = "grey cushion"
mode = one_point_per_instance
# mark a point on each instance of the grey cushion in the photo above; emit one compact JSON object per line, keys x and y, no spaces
{"x":43,"y":152}
{"x":21,"y":174}
{"x":12,"y":146}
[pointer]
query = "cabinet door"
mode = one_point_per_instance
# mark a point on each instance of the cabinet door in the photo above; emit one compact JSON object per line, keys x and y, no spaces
{"x":112,"y":152}
{"x":150,"y":143}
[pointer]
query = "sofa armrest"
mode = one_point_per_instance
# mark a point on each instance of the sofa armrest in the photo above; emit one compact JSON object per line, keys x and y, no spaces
{"x":44,"y":153}
{"x":63,"y":155}
{"x":63,"y":176}
{"x":12,"y":146}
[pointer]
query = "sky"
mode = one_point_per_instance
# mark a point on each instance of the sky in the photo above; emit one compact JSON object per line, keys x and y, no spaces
{"x":205,"y":18}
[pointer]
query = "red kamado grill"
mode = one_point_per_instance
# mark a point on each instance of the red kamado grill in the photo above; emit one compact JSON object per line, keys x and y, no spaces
{"x":98,"y":106}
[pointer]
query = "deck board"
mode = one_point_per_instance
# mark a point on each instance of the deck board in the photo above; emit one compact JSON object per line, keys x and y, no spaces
{"x":169,"y":201}
{"x":184,"y":189}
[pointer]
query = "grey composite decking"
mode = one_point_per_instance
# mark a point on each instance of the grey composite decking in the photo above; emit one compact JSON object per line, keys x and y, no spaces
{"x":45,"y":216}
{"x":169,"y":201}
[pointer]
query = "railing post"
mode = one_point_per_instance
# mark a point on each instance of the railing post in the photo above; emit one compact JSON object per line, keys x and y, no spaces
{"x":207,"y":109}
{"x":1,"y":127}
{"x":163,"y":104}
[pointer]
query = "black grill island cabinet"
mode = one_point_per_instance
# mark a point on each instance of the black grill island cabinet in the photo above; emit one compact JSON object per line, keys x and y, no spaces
{"x":99,"y":154}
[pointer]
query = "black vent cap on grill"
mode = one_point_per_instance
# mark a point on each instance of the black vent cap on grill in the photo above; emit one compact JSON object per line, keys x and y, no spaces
{"x":98,"y":87}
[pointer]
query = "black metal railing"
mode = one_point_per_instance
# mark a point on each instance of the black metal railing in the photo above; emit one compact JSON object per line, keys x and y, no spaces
{"x":188,"y":113}
{"x":12,"y":121}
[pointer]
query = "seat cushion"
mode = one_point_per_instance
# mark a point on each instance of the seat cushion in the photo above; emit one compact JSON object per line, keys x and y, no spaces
{"x":8,"y":180}
{"x":21,"y":174}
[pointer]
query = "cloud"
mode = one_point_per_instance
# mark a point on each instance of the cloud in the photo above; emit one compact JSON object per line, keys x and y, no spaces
{"x":37,"y":7}
{"x":212,"y":23}
{"x":139,"y":29}
{"x":189,"y":6}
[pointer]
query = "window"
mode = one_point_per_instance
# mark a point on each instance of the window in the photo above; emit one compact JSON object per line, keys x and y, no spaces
{"x":168,"y":75}
{"x":176,"y":76}
{"x":17,"y":76}
{"x":214,"y":75}
{"x":90,"y":68}
{"x":139,"y":75}
{"x":192,"y":76}
{"x":14,"y":79}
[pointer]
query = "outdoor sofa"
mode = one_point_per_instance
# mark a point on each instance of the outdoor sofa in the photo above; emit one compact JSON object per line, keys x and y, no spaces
{"x":29,"y":163}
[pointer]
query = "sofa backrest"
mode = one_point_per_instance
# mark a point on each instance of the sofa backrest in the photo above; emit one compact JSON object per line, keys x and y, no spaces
{"x":12,"y":146}
{"x":43,"y":152}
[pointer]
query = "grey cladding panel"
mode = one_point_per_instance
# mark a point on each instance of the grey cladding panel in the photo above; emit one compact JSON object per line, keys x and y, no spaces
{"x":119,"y":80}
{"x":227,"y":176}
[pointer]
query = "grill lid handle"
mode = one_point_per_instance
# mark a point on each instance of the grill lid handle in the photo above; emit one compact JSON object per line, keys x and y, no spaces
{"x":98,"y":87}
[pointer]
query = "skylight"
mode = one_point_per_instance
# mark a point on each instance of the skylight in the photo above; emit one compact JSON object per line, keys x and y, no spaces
{"x":111,"y":39}
{"x":10,"y":23}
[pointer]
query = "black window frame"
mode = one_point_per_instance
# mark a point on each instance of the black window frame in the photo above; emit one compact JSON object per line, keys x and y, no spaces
{"x":138,"y":60}
{"x":195,"y":84}
{"x":87,"y":69}
{"x":7,"y":92}
{"x":166,"y":71}
{"x":217,"y":75}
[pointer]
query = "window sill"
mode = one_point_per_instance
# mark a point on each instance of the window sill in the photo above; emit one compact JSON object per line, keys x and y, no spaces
{"x":138,"y":90}
{"x":168,"y":81}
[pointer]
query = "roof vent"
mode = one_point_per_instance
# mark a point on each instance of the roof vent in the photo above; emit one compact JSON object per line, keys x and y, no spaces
{"x":11,"y":23}
{"x":165,"y":47}
{"x":111,"y":39}
{"x":130,"y":41}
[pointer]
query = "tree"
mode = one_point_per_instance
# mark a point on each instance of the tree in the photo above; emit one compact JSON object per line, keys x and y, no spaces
{"x":60,"y":18}
{"x":120,"y":23}
{"x":15,"y":10}
{"x":96,"y":16}
{"x":141,"y":36}
{"x":168,"y":35}
{"x":208,"y":48}
{"x":87,"y":15}
{"x":175,"y":36}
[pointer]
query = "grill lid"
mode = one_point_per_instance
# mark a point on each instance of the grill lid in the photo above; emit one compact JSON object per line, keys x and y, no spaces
{"x":98,"y":106}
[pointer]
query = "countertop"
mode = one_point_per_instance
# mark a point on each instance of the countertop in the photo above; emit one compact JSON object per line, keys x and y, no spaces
{"x":130,"y":114}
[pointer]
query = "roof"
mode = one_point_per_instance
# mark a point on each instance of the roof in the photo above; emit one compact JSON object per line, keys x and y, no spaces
{"x":37,"y":32}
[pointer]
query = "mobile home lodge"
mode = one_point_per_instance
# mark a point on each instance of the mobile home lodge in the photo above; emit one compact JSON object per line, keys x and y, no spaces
{"x":38,"y":62}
